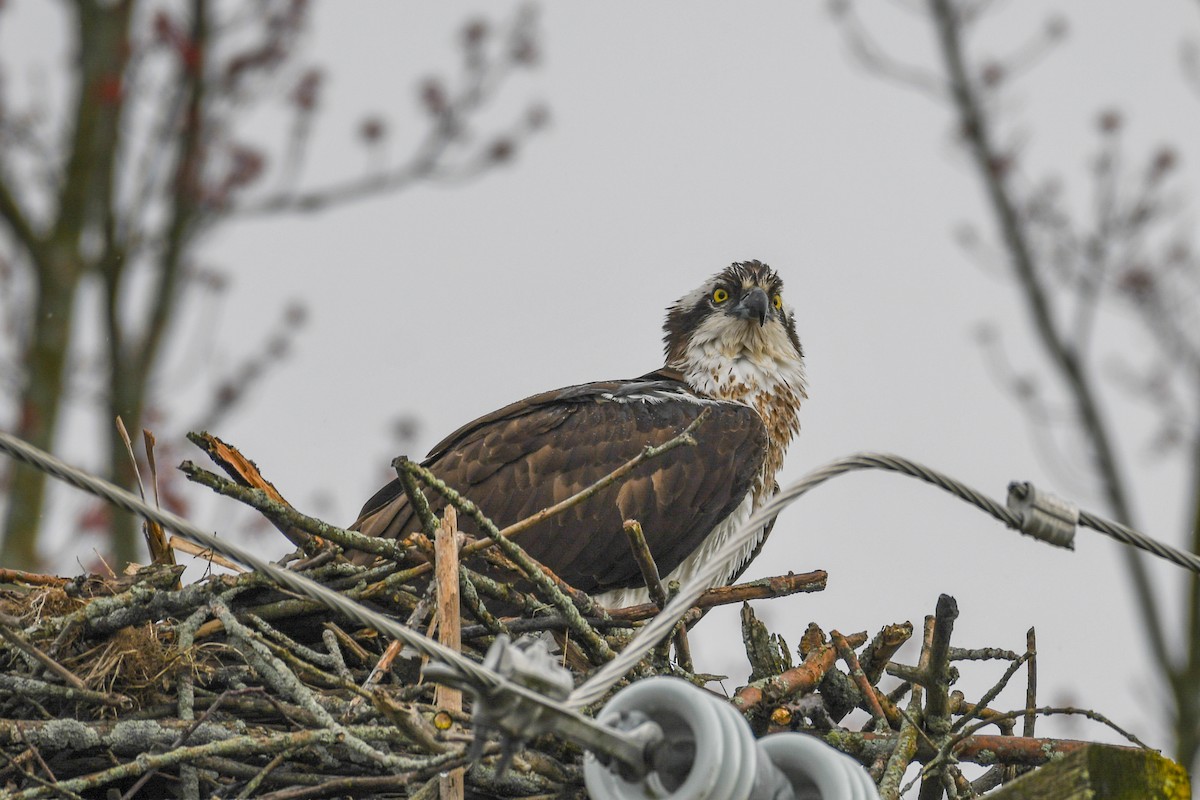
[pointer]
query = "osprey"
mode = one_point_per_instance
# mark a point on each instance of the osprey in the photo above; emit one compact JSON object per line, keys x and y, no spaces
{"x":731,"y":347}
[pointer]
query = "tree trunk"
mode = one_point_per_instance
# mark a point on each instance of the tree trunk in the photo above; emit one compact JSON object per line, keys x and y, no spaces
{"x":84,"y":198}
{"x":40,"y":400}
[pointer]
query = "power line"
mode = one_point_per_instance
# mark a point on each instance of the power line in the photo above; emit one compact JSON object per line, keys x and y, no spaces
{"x":1031,"y":523}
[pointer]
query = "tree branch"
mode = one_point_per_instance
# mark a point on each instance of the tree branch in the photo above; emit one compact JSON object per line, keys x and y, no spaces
{"x":12,"y":213}
{"x":1074,"y":373}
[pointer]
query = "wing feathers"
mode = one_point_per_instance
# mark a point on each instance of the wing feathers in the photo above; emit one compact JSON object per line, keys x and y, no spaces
{"x":530,"y":455}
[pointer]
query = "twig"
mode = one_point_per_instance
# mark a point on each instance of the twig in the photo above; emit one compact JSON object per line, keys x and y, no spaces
{"x":1047,"y":711}
{"x":283,"y":514}
{"x":535,"y":572}
{"x":26,"y":688}
{"x":764,"y":588}
{"x":31,"y":578}
{"x":347,"y":641}
{"x":372,"y":783}
{"x":51,"y":785}
{"x":449,"y":132}
{"x":185,"y":735}
{"x":768,"y":654}
{"x":192,"y":549}
{"x":906,"y":748}
{"x":470,"y":598}
{"x":1073,"y":371}
{"x":936,"y":665}
{"x":872,"y":56}
{"x":239,"y":746}
{"x":521,"y":603}
{"x":1031,"y":683}
{"x":251,"y":787}
{"x":982,"y":654}
{"x":37,"y":755}
{"x":519,"y":625}
{"x":869,"y":693}
{"x":876,"y":655}
{"x":185,"y":635}
{"x":803,"y":678}
{"x":993,"y":692}
{"x":283,"y":681}
{"x":645,"y":562}
{"x":418,"y":501}
{"x":960,"y":705}
{"x":246,"y":473}
{"x":156,"y":537}
{"x":10,"y":629}
{"x":394,"y":648}
{"x":381,"y":668}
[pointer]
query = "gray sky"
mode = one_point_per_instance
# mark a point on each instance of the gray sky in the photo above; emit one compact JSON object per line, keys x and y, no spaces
{"x":686,"y":136}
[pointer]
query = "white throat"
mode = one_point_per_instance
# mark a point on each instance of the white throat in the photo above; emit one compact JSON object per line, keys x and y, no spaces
{"x":733,"y":359}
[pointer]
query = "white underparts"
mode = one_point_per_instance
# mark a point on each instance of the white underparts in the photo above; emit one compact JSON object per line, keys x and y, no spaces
{"x":729,"y":358}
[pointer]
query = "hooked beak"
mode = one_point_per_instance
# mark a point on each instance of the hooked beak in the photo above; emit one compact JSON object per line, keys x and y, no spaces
{"x":753,"y":305}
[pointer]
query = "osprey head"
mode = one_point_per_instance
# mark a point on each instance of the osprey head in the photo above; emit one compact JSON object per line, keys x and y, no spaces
{"x":739,"y":314}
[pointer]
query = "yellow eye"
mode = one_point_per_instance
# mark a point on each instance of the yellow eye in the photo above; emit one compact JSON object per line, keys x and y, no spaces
{"x":720,"y":296}
{"x":778,"y":301}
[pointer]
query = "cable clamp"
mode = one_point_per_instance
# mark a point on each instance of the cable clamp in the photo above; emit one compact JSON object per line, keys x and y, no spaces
{"x":527,"y":663}
{"x":1043,"y":515}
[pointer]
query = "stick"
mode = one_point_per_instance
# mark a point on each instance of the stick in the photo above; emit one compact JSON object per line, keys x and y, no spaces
{"x":451,"y":785}
{"x":192,"y":549}
{"x":10,"y":628}
{"x":645,"y":562}
{"x":246,"y":473}
{"x":803,"y":678}
{"x":31,"y":578}
{"x":1031,"y":685}
{"x":870,"y":697}
{"x":779,"y":586}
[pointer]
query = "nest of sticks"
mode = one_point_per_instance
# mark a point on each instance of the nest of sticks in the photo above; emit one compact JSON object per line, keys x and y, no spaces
{"x":137,"y":686}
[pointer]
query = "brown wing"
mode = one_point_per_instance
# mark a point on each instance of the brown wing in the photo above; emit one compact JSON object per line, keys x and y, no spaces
{"x":532,"y":454}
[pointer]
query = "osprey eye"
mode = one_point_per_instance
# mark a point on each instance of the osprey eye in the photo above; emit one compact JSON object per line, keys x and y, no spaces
{"x":720,"y":296}
{"x":778,"y":301}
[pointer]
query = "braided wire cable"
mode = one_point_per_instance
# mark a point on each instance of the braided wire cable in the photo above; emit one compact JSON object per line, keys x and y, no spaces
{"x":1127,"y":535}
{"x":607,"y":676}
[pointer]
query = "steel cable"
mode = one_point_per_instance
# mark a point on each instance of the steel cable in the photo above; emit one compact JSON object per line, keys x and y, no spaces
{"x":607,"y":676}
{"x":1129,"y":536}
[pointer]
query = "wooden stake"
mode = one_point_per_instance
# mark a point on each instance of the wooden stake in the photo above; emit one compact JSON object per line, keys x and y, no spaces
{"x":445,"y":548}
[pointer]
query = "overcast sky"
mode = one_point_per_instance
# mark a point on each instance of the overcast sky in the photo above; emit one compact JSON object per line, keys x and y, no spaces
{"x":685,"y":136}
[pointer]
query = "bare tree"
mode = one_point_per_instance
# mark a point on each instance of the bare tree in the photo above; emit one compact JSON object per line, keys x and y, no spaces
{"x":1132,"y":251}
{"x":154,"y":157}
